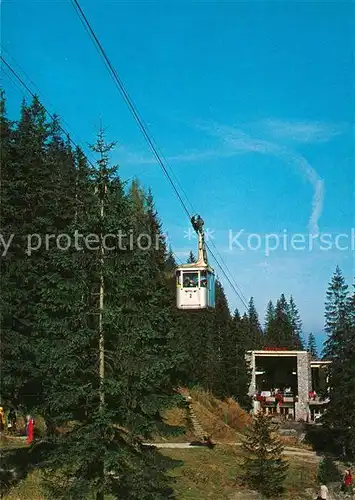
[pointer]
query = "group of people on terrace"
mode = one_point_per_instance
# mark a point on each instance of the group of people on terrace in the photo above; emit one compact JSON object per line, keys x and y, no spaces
{"x":286,"y":392}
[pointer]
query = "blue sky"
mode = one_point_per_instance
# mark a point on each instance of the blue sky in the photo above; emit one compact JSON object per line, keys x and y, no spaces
{"x":252,"y":104}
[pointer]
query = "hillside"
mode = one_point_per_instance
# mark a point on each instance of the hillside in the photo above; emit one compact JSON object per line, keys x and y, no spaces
{"x":224,"y":421}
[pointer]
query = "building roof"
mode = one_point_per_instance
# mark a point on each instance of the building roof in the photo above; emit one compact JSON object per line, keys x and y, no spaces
{"x":284,"y":352}
{"x":320,"y":362}
{"x":275,"y":352}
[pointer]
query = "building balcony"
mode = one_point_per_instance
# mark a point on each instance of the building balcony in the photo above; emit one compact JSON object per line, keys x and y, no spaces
{"x":318,"y":401}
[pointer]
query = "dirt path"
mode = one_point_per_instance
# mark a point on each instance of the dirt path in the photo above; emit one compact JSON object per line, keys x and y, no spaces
{"x":289,"y":451}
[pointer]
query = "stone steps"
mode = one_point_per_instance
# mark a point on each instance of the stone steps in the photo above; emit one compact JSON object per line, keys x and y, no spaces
{"x":197,"y":427}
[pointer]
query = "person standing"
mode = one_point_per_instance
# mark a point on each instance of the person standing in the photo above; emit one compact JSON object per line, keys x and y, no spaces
{"x":30,"y":429}
{"x":323,"y":493}
{"x":347,"y":482}
{"x":11,"y":421}
{"x":2,"y":420}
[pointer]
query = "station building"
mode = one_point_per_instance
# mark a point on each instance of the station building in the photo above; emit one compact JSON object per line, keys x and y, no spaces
{"x":288,"y":383}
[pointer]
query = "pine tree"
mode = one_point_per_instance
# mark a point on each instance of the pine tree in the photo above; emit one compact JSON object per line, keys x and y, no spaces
{"x":279,"y":332}
{"x":269,"y":324}
{"x":270,"y":316}
{"x":336,"y":312}
{"x":341,"y":408}
{"x":217,"y":373}
{"x":199,"y":341}
{"x":340,"y":349}
{"x":236,"y":316}
{"x":170,"y":262}
{"x":24,"y":203}
{"x":16,"y":365}
{"x":145,"y":332}
{"x":351,"y":307}
{"x":244,"y":331}
{"x":137,"y":199}
{"x":296,"y":325}
{"x":312,"y":346}
{"x":226,"y":345}
{"x":191,"y":258}
{"x":57,"y":291}
{"x":255,"y":332}
{"x":264,"y":468}
{"x":242,"y":373}
{"x":237,"y":325}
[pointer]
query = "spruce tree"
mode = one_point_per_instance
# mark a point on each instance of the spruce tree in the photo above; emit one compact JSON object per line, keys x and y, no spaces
{"x":222,"y":350}
{"x":16,"y":365}
{"x":171,"y":263}
{"x":137,"y":199}
{"x":351,"y":306}
{"x":237,"y":325}
{"x":296,"y":325}
{"x":200,"y":342}
{"x":279,"y":332}
{"x":336,"y":312}
{"x":312,"y":346}
{"x":242,"y":373}
{"x":58,"y":271}
{"x":255,"y":335}
{"x":264,"y":468}
{"x":340,"y":349}
{"x":191,"y":258}
{"x":217,"y":333}
{"x":244,"y":331}
{"x":25,"y":200}
{"x":270,"y":316}
{"x":341,"y":408}
{"x":269,"y":324}
{"x":236,"y":316}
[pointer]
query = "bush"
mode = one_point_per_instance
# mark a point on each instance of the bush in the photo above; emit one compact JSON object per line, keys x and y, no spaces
{"x":328,"y":471}
{"x":39,"y":426}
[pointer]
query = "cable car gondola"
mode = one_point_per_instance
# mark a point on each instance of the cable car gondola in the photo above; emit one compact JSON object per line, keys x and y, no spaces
{"x":195,"y":282}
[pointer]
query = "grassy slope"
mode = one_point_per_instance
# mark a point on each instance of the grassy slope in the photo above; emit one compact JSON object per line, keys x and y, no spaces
{"x":214,"y":474}
{"x":205,"y":473}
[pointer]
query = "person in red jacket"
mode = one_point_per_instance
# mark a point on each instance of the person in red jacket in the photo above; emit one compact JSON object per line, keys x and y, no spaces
{"x":347,"y":482}
{"x":30,"y":429}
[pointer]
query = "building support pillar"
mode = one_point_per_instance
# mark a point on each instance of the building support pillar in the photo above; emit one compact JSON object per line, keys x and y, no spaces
{"x":304,"y":383}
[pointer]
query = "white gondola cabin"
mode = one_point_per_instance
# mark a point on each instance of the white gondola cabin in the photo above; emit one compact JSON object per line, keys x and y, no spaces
{"x":195,"y":282}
